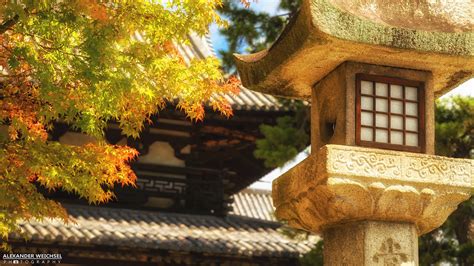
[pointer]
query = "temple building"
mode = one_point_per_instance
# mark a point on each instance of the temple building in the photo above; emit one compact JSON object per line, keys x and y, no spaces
{"x":192,"y":204}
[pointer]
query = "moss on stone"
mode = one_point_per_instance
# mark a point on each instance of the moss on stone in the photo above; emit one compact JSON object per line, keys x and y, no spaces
{"x":338,"y":23}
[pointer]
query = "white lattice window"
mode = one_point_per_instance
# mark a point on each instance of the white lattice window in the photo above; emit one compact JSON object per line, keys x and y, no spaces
{"x":389,"y":113}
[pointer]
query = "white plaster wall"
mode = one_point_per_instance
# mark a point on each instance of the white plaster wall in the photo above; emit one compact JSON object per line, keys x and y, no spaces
{"x":161,"y":153}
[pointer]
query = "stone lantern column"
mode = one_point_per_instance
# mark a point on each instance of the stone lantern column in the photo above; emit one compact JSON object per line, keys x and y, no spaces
{"x":372,"y":70}
{"x":370,"y":205}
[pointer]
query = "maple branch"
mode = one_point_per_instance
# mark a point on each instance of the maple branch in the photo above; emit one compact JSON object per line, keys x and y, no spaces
{"x":8,"y":24}
{"x":22,"y":74}
{"x":57,"y":48}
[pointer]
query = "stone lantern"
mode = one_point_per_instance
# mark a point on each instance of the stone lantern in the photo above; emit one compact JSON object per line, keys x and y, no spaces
{"x":372,"y":70}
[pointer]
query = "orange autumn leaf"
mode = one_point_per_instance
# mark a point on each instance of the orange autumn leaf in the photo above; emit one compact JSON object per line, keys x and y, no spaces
{"x":78,"y":63}
{"x":94,"y":9}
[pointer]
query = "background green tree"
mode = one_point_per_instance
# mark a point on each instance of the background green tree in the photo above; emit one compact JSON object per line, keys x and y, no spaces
{"x":252,"y":31}
{"x":453,"y":242}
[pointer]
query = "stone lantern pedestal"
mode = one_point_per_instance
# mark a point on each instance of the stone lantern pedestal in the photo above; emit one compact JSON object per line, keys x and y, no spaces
{"x":369,"y":204}
{"x":372,"y":70}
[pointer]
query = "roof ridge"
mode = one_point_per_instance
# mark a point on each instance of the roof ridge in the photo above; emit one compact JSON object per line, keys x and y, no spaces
{"x":255,"y":191}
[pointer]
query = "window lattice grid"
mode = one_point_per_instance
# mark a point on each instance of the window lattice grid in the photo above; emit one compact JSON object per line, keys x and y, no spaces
{"x":389,"y":112}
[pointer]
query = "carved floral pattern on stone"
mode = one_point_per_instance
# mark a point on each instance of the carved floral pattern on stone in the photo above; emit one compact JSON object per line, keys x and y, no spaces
{"x":356,"y":161}
{"x":452,"y":172}
{"x":390,"y":254}
{"x":353,"y":184}
{"x":366,"y":163}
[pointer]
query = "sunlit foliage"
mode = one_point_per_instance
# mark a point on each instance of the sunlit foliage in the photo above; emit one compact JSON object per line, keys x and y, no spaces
{"x":86,"y":62}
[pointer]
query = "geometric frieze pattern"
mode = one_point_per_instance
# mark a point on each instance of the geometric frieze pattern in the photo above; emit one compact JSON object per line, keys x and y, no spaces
{"x":177,"y":187}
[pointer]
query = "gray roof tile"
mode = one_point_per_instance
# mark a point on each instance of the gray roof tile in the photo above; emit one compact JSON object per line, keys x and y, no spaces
{"x":254,"y":203}
{"x":124,"y":228}
{"x":200,"y":47}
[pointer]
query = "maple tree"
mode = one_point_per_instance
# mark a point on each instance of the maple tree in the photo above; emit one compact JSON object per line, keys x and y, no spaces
{"x":85,"y":63}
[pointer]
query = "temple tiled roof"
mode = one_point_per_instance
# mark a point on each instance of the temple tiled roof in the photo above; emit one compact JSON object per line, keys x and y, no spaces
{"x":200,"y":47}
{"x":251,"y":100}
{"x":254,"y":203}
{"x":138,"y":229}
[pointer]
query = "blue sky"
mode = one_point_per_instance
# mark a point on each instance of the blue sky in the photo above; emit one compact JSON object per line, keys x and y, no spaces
{"x":270,"y":6}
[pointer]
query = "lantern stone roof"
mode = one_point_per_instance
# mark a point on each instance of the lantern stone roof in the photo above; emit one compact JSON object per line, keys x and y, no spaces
{"x":425,"y":35}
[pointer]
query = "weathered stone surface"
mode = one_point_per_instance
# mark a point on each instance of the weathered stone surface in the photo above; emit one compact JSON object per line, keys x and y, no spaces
{"x":442,"y":16}
{"x":424,"y":35}
{"x":333,"y":117}
{"x":371,"y":243}
{"x":342,"y":184}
